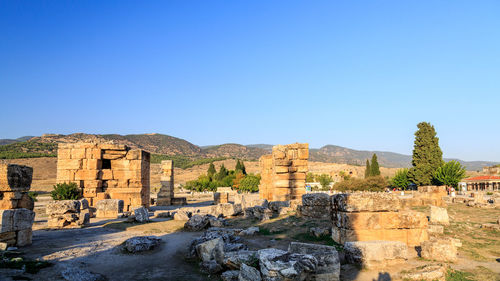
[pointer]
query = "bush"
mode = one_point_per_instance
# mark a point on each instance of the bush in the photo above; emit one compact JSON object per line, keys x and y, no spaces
{"x":33,"y":195}
{"x":400,"y":179}
{"x":376,"y":183}
{"x":325,"y":180}
{"x":250,"y":183}
{"x":66,"y":191}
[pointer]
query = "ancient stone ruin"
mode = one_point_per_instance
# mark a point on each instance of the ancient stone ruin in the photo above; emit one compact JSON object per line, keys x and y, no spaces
{"x":16,"y":207}
{"x":166,"y":192}
{"x":366,"y":216}
{"x":283,"y":173}
{"x":106,"y":171}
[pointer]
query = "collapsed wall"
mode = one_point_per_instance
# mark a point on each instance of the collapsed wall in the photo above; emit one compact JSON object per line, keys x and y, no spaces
{"x":426,"y":195}
{"x":106,"y":171}
{"x":283,"y":172}
{"x":166,"y":192}
{"x":16,"y":207}
{"x":366,"y":216}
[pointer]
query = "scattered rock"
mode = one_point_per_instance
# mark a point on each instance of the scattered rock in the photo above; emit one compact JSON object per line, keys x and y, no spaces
{"x":197,"y":223}
{"x":280,"y":265}
{"x":211,"y":267}
{"x":439,"y":216}
{"x":141,"y":215}
{"x":182,"y":215}
{"x":164,"y":214}
{"x":211,"y":250}
{"x":216,"y":222}
{"x":440,"y":249}
{"x":233,"y":260}
{"x":141,"y":243}
{"x":72,"y":273}
{"x":230,"y":275}
{"x":248,"y":273}
{"x":250,"y":231}
{"x":319,"y":231}
{"x":328,"y":267}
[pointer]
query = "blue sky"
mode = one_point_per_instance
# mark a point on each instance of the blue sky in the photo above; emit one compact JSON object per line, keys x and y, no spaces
{"x":359,"y":74}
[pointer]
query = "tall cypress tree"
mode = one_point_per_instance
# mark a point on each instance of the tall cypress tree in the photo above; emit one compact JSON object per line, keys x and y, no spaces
{"x":243,"y":168}
{"x":374,"y":168}
{"x":222,"y":173}
{"x":238,"y":166}
{"x":367,"y":169}
{"x":211,"y":170}
{"x":427,"y":155}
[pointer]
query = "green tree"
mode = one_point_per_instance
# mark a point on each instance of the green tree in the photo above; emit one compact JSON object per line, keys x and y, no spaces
{"x":211,"y":170}
{"x":400,"y":179}
{"x":450,"y":174}
{"x":367,"y":169}
{"x":223,"y":172}
{"x":427,"y":155}
{"x":250,"y":183}
{"x":238,"y":165}
{"x":310,"y":177}
{"x":325,"y":180}
{"x":374,"y":168}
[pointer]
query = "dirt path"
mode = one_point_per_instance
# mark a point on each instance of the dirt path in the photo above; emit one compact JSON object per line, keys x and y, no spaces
{"x":96,"y":249}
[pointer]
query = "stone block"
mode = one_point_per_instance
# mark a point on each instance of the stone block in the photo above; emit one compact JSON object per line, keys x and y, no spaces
{"x":443,"y":250}
{"x":26,"y":202}
{"x":376,"y":254}
{"x":316,"y":199}
{"x":62,"y":207}
{"x":141,"y":214}
{"x":15,"y":177}
{"x":328,"y":268}
{"x":69,"y":164}
{"x":24,"y":237}
{"x":439,"y":216}
{"x":23,"y":219}
{"x":109,"y":208}
{"x":6,"y":221}
{"x":78,"y":153}
{"x":365,"y":202}
{"x":7,"y":203}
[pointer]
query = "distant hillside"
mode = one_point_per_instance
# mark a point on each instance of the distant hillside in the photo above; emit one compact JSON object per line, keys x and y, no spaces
{"x":233,"y":150}
{"x":9,"y":141}
{"x":175,"y":148}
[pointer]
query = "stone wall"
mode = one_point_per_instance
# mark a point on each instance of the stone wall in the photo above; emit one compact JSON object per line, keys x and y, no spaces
{"x":366,"y":216}
{"x":283,"y":173}
{"x":106,"y":171}
{"x":166,"y":192}
{"x":16,"y":207}
{"x":426,"y":195}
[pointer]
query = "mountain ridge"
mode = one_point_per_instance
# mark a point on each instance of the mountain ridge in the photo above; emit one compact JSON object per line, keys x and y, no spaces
{"x":169,"y":145}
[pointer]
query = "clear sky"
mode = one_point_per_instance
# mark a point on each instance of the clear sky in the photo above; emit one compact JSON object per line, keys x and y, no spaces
{"x":359,"y":74}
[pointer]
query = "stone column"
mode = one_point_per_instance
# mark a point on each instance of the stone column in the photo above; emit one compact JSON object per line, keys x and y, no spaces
{"x":166,"y":192}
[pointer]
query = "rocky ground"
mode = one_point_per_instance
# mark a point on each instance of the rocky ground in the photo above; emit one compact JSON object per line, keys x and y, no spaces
{"x":97,"y":250}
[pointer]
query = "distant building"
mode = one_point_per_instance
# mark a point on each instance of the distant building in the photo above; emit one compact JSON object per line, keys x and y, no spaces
{"x":478,"y":183}
{"x":491,"y":170}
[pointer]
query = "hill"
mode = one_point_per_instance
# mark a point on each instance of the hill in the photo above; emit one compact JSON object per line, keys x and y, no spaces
{"x":9,"y":141}
{"x":187,"y":154}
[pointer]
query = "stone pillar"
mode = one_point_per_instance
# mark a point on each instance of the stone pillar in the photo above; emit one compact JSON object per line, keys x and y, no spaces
{"x":166,"y":192}
{"x":283,"y":173}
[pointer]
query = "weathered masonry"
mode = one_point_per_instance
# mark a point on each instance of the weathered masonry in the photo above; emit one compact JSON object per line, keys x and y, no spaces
{"x":166,"y":192}
{"x":106,"y":171}
{"x":283,"y":173}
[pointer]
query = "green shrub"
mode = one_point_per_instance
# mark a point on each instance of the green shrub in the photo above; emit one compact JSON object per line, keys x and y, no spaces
{"x":250,"y":183}
{"x":325,"y":180}
{"x":65,"y":191}
{"x":400,"y":179}
{"x":33,"y":195}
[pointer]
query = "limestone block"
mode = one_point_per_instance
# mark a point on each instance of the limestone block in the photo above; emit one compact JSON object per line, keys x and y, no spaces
{"x":380,"y":220}
{"x":327,"y":256}
{"x":109,"y":156}
{"x":86,"y":174}
{"x":6,"y":203}
{"x":93,"y":153}
{"x":9,"y":236}
{"x":376,"y":254}
{"x":62,"y":207}
{"x":316,"y":199}
{"x":444,"y":250}
{"x":303,"y":153}
{"x":365,"y":202}
{"x":78,"y":153}
{"x":63,"y":153}
{"x":439,"y":216}
{"x":411,"y":237}
{"x":109,"y":208}
{"x":6,"y":221}
{"x":436,"y":229}
{"x":65,"y":175}
{"x":15,"y":177}
{"x":26,"y":202}
{"x":141,"y":214}
{"x":24,"y":237}
{"x":221,"y":197}
{"x":23,"y":219}
{"x":106,"y":174}
{"x":111,"y":146}
{"x":69,"y":164}
{"x":281,"y":169}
